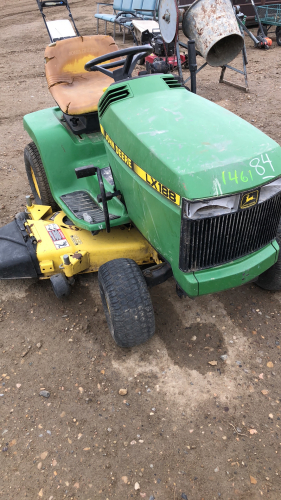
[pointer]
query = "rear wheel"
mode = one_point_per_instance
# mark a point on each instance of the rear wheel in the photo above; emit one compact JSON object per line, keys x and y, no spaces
{"x":37,"y":177}
{"x":278,"y":35}
{"x":126,"y":302}
{"x":271,"y":279}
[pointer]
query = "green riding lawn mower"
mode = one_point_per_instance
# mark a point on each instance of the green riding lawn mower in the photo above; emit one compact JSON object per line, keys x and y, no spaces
{"x":139,"y":179}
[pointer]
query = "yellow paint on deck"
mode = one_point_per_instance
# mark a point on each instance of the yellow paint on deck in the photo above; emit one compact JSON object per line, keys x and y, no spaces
{"x":46,"y":266}
{"x":37,"y":212}
{"x":126,"y":242}
{"x":78,"y":263}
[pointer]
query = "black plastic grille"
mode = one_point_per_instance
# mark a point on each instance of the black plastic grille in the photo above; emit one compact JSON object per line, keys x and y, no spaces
{"x":217,"y":240}
{"x":112,"y":96}
{"x":172,"y":82}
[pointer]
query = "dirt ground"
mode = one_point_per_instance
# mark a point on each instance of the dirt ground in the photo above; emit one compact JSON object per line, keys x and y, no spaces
{"x":185,"y":429}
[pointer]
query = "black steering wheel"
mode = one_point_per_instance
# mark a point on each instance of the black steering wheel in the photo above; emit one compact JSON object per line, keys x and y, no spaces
{"x":127,"y":65}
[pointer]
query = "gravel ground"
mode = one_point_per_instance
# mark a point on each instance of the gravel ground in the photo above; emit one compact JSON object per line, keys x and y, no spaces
{"x":189,"y":424}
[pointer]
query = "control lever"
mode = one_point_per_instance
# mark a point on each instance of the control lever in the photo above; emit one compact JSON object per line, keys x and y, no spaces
{"x":108,"y":195}
{"x":86,"y":171}
{"x":103,"y":197}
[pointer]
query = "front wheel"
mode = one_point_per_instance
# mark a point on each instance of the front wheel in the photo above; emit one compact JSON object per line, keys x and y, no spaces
{"x":126,"y":302}
{"x":271,"y":279}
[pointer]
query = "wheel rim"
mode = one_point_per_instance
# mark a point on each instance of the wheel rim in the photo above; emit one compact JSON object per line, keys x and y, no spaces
{"x":35,"y":182}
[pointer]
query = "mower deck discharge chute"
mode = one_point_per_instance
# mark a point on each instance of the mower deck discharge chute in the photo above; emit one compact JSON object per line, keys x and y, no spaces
{"x":142,"y":172}
{"x":18,"y":251}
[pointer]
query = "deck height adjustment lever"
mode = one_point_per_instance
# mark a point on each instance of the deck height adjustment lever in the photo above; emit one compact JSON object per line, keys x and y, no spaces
{"x":102,"y":198}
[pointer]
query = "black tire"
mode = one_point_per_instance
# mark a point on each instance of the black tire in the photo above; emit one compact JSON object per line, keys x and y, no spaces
{"x":37,"y":177}
{"x":60,"y":285}
{"x":141,"y":61}
{"x":126,"y":302}
{"x":278,"y":35}
{"x":259,"y":33}
{"x":271,"y":279}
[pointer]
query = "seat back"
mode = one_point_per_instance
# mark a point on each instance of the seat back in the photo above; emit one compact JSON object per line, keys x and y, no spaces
{"x":66,"y":59}
{"x":123,"y":5}
{"x":117,"y":4}
{"x":151,"y":5}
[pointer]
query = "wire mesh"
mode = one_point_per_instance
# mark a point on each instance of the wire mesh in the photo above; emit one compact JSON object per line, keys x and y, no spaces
{"x":270,"y":14}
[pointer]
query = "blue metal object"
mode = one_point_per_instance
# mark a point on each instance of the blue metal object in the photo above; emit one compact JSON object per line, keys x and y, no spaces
{"x":124,"y":11}
{"x":270,"y":15}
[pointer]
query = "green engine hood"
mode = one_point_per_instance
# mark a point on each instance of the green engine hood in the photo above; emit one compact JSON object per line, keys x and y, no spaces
{"x":189,"y":144}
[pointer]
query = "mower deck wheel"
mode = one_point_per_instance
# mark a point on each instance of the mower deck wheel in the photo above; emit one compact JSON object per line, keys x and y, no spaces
{"x":37,"y":177}
{"x":126,"y":302}
{"x":271,"y":279}
{"x":278,"y":35}
{"x":60,"y":285}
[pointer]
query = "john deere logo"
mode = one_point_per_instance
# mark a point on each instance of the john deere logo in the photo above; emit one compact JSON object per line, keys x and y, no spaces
{"x":249,"y":199}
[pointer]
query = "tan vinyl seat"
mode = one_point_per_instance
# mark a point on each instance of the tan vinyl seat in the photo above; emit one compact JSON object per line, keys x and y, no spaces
{"x":75,"y":90}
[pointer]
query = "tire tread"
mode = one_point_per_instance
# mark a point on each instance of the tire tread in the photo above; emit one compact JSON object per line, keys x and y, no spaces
{"x":271,"y":278}
{"x":129,"y":313}
{"x":32,"y":159}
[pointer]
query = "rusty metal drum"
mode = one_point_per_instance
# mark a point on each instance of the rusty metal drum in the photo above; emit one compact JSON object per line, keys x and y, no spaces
{"x":213,"y":26}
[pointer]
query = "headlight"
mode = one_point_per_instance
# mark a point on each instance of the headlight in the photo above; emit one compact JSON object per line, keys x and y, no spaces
{"x":270,"y":190}
{"x":227,"y":204}
{"x":211,"y":208}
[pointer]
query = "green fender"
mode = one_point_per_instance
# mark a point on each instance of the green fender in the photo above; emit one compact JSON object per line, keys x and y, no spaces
{"x":61,"y":152}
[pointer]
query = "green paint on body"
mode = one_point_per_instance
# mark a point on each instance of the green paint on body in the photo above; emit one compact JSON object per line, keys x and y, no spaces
{"x":159,"y":141}
{"x":198,"y":150}
{"x":191,"y":145}
{"x":61,"y":152}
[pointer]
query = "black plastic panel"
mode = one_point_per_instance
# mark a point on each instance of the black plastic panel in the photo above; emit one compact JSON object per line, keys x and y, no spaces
{"x":16,"y":256}
{"x":217,"y":240}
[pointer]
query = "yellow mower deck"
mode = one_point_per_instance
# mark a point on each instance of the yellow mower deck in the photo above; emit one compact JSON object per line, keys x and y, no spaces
{"x":87,"y":252}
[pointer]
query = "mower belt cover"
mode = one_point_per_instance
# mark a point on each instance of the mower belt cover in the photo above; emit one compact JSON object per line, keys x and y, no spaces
{"x":75,"y":90}
{"x":17,"y":251}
